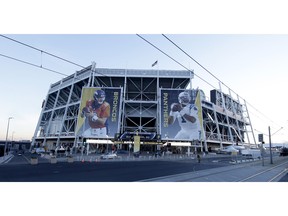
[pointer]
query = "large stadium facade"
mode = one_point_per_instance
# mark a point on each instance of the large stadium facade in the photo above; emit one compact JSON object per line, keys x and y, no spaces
{"x":140,"y":103}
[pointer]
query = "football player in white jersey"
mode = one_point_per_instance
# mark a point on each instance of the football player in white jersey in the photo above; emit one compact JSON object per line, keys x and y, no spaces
{"x":187,"y":115}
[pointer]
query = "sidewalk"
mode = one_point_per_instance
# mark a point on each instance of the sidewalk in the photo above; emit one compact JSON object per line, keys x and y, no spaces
{"x":149,"y":157}
{"x":242,"y":172}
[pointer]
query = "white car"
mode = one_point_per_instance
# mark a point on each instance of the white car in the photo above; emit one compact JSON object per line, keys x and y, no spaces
{"x":40,"y":150}
{"x":108,"y":156}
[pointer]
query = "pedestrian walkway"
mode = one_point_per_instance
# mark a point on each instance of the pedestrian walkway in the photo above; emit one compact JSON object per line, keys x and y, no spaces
{"x":253,"y":171}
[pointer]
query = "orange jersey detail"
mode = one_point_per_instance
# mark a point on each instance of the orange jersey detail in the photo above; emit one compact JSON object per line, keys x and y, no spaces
{"x":103,"y":111}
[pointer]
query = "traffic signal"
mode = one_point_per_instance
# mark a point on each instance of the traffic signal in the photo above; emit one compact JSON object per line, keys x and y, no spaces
{"x":260,"y":138}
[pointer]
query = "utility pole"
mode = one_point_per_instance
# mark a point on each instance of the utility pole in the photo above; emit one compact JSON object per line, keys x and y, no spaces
{"x":270,"y":146}
{"x":5,"y":147}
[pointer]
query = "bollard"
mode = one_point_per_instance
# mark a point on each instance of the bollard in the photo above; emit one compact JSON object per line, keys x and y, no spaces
{"x":53,"y":160}
{"x":34,"y":161}
{"x":70,"y":159}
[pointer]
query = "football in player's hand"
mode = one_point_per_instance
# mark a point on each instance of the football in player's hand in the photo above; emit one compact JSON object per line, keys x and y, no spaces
{"x":176,"y":107}
{"x":85,"y":110}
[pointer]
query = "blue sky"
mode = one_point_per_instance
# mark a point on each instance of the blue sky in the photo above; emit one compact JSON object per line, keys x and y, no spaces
{"x":253,"y":66}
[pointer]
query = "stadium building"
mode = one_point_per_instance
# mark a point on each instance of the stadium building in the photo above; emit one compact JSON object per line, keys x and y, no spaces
{"x":108,"y":108}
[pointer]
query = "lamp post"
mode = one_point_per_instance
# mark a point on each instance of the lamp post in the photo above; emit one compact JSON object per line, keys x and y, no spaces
{"x":270,"y":146}
{"x":7,"y":135}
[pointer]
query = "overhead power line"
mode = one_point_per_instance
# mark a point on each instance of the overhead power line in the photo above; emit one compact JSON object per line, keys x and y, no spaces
{"x":213,"y":75}
{"x":199,"y":64}
{"x":41,"y":67}
{"x":28,"y":63}
{"x":203,"y":68}
{"x":193,"y":59}
{"x":42,"y":51}
{"x":63,"y":59}
{"x":173,"y":59}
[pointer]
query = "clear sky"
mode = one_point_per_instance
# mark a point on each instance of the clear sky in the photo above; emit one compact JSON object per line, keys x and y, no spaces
{"x":253,"y":66}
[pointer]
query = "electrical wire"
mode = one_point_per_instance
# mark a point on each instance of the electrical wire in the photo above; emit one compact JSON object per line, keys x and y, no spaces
{"x":214,"y":76}
{"x":41,"y":67}
{"x":28,"y":63}
{"x":202,"y":68}
{"x":173,"y":59}
{"x":44,"y":68}
{"x":42,"y":51}
{"x":194,"y":60}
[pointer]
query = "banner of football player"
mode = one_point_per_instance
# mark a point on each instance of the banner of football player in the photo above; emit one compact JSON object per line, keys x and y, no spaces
{"x":180,"y":117}
{"x":99,"y":112}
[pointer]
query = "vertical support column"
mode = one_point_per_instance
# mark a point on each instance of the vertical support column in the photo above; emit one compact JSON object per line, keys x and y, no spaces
{"x":124,"y":101}
{"x":39,"y":122}
{"x":250,"y":124}
{"x":243,"y":119}
{"x":93,"y":69}
{"x":158,"y":98}
{"x":52,"y":112}
{"x":65,"y":112}
{"x":234,"y":113}
{"x":217,"y":127}
{"x":226,"y":115}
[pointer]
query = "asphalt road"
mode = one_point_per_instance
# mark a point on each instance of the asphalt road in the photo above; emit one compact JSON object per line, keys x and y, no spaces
{"x":19,"y":170}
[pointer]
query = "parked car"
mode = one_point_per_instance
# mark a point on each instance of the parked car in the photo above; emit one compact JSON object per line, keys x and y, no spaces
{"x":60,"y":150}
{"x":20,"y":152}
{"x":40,"y":150}
{"x":108,"y":156}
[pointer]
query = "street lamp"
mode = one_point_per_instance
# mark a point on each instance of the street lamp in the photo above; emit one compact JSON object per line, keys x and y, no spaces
{"x":7,"y":135}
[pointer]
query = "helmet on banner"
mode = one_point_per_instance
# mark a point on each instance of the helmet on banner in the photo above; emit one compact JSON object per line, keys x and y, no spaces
{"x":184,"y":98}
{"x":99,"y":96}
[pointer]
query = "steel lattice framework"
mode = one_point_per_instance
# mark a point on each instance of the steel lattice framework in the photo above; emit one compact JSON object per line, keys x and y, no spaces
{"x":225,"y":120}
